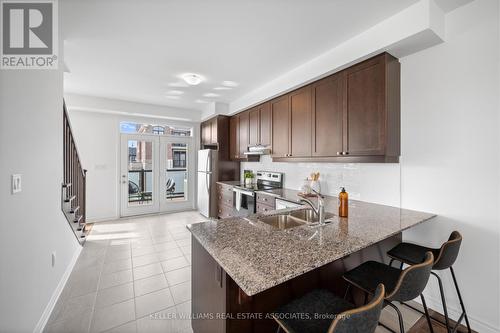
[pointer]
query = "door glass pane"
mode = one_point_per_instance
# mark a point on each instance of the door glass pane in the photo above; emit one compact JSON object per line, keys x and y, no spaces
{"x":140,"y":172}
{"x":176,"y":172}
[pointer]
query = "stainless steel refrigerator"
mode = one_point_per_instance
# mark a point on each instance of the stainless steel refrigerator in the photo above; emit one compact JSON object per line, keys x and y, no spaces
{"x":207,"y":173}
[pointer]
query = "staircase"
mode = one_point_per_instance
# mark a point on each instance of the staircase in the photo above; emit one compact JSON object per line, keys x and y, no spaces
{"x":74,"y":182}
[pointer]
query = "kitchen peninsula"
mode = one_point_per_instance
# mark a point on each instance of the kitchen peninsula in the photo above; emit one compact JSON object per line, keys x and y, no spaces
{"x":244,"y":266}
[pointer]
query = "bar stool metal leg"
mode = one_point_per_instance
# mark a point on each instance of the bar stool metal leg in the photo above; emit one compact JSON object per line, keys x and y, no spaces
{"x":443,"y":301}
{"x":400,"y":317}
{"x":424,"y":304}
{"x":460,"y":299}
{"x":347,"y":291}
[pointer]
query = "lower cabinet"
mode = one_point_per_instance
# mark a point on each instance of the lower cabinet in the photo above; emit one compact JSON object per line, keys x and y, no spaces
{"x":264,"y":208}
{"x":224,"y":212}
{"x":225,"y":201}
{"x":208,"y":289}
{"x":265,"y":203}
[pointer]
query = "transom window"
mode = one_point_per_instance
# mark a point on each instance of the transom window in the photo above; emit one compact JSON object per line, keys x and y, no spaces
{"x":131,"y":127}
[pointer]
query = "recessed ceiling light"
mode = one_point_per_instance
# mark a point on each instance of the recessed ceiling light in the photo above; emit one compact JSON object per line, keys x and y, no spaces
{"x":175,"y":92}
{"x":211,"y":95}
{"x":201,"y":101}
{"x":192,"y":79}
{"x":179,"y":84}
{"x":231,"y":84}
{"x":173,"y":97}
{"x":223,"y":88}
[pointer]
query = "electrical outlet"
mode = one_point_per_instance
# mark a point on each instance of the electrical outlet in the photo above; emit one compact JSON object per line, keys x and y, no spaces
{"x":16,"y":183}
{"x":53,"y":258}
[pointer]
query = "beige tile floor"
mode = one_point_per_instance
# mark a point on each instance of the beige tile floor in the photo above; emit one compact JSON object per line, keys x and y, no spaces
{"x":133,"y":275}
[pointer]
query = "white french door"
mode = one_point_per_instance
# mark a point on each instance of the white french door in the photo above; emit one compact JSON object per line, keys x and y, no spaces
{"x":157,"y":174}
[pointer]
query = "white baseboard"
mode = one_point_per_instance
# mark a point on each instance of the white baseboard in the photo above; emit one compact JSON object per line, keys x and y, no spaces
{"x":119,"y":218}
{"x":102,"y":219}
{"x":55,"y":295}
{"x":454,"y":311}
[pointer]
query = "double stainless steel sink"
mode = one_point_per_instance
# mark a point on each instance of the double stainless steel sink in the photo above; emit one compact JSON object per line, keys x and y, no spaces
{"x":294,"y":219}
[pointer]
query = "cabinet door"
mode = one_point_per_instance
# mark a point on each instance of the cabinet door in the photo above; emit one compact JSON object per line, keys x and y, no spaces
{"x":300,"y":114}
{"x":265,"y":124}
{"x":243,"y":133}
{"x":327,"y":116}
{"x":206,"y":132}
{"x":254,"y":124}
{"x":213,"y":131}
{"x":234,"y":140}
{"x":280,"y":124}
{"x":364,"y":124}
{"x":208,"y":288}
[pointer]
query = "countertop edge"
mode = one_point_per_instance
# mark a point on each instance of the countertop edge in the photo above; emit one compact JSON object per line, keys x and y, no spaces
{"x":295,"y":274}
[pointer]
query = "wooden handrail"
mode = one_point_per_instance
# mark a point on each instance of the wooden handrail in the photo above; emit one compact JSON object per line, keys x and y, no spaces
{"x":74,"y":173}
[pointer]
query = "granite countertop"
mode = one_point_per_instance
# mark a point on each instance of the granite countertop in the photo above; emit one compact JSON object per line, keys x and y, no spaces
{"x":258,"y":256}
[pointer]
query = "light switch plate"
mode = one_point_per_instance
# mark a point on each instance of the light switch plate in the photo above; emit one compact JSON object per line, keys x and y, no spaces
{"x":16,"y":183}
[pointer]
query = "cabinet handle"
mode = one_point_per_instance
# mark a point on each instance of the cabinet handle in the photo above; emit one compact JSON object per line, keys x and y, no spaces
{"x":340,"y":153}
{"x":265,"y":199}
{"x":346,"y":153}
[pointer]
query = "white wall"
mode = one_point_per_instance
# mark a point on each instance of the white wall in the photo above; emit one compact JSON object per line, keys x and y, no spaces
{"x":97,"y":137}
{"x":32,"y":225}
{"x":415,"y":28}
{"x":450,"y":152}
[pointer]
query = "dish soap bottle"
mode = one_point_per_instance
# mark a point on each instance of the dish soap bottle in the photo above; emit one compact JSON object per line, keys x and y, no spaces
{"x":343,"y":203}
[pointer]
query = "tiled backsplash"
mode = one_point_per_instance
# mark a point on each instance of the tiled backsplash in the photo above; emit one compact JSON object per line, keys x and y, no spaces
{"x":378,"y":183}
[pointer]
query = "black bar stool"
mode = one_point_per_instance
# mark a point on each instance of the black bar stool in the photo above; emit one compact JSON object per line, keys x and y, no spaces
{"x":401,"y":285}
{"x":320,"y":311}
{"x":446,"y":255}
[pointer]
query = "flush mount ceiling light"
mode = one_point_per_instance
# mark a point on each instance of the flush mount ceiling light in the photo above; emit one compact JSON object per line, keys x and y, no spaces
{"x":211,"y":95}
{"x":175,"y":92}
{"x":223,"y":88}
{"x":192,"y":79}
{"x":230,"y":84}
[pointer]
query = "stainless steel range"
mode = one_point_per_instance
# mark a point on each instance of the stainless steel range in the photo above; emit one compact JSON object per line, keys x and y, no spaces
{"x":245,"y":195}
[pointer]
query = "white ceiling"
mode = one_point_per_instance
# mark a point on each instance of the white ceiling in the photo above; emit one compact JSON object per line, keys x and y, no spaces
{"x":133,"y":50}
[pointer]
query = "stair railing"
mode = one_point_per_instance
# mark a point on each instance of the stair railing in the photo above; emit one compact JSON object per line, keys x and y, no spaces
{"x":73,"y":198}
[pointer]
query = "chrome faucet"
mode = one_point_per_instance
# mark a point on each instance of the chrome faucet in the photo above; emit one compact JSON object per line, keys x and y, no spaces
{"x":320,"y":210}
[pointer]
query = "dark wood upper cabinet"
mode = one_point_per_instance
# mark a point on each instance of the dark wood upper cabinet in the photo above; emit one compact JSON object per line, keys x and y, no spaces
{"x":365,"y":109}
{"x":254,"y":127}
{"x":265,"y":124}
{"x":244,"y":133}
{"x":206,"y":132}
{"x":214,"y":138}
{"x":349,"y":116}
{"x":234,"y":139}
{"x":300,"y":123}
{"x":280,"y":113}
{"x":327,"y":116}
